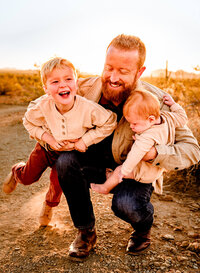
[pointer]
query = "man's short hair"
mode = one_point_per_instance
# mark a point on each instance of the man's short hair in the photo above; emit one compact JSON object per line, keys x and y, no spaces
{"x":53,"y":63}
{"x":129,"y":42}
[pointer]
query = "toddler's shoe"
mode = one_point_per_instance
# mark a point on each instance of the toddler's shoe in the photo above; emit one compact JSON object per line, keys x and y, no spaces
{"x":45,"y":215}
{"x":10,"y":183}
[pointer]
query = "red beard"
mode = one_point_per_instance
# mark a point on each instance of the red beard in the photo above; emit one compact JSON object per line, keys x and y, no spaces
{"x":118,"y":96}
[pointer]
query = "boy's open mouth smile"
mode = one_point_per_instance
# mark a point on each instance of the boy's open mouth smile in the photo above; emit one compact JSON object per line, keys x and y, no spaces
{"x":64,"y":93}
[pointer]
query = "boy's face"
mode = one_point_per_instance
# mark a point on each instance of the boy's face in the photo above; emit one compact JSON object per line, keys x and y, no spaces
{"x":61,"y":84}
{"x":139,"y":125}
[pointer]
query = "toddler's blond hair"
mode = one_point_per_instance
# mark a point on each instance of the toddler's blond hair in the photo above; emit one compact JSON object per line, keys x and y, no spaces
{"x":53,"y":63}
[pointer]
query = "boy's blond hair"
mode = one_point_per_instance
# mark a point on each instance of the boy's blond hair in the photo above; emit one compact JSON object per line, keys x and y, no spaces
{"x":53,"y":63}
{"x":130,"y":42}
{"x":143,"y":104}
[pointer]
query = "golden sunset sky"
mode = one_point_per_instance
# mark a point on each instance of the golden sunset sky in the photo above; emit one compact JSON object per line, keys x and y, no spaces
{"x":32,"y":31}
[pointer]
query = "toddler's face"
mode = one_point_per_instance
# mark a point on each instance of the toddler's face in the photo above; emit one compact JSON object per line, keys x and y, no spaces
{"x":61,"y":85}
{"x":137,"y":124}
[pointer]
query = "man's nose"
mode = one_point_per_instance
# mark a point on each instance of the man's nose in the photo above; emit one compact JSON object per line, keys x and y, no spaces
{"x":114,"y":77}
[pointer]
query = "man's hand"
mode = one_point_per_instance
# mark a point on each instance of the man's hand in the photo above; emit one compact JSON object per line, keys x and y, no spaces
{"x":80,"y":146}
{"x":151,"y":154}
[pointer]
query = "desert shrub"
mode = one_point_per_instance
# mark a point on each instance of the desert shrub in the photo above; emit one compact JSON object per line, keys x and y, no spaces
{"x":20,"y":87}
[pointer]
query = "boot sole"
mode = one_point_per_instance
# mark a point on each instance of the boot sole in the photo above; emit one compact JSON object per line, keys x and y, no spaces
{"x":137,"y":253}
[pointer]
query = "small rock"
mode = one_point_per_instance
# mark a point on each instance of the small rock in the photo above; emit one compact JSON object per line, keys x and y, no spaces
{"x":195,"y":246}
{"x":182,"y":258}
{"x":167,"y":237}
{"x":168,"y":198}
{"x":17,"y":248}
{"x":178,"y":228}
{"x":184,"y":244}
{"x":193,"y":234}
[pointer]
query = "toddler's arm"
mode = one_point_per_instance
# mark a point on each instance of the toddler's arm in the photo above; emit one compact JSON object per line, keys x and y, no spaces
{"x":168,"y":100}
{"x":177,"y":113}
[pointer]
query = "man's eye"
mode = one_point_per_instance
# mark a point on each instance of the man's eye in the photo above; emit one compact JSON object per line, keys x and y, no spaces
{"x":54,"y":82}
{"x":124,"y":72}
{"x":68,"y":79}
{"x":108,"y":68}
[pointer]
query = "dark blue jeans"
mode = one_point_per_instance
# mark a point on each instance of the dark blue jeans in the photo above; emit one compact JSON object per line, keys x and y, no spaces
{"x":131,"y":199}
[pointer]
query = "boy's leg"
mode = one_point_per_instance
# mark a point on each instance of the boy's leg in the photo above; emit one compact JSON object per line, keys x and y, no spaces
{"x":30,"y":172}
{"x":52,"y":198}
{"x":37,"y":163}
{"x":54,"y":193}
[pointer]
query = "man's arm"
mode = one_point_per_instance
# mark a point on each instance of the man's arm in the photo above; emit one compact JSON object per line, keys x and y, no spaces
{"x":183,"y":154}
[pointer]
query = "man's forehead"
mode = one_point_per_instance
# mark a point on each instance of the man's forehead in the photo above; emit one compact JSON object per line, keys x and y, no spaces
{"x":121,"y":57}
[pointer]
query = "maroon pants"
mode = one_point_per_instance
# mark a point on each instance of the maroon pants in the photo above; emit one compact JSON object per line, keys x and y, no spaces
{"x":39,"y":160}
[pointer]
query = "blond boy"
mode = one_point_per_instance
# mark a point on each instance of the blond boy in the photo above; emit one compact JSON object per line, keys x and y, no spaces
{"x":150,"y":127}
{"x":59,"y":121}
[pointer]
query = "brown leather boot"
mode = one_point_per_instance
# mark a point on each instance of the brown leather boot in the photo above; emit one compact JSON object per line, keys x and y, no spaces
{"x":45,"y":215}
{"x":10,"y":183}
{"x":138,"y":242}
{"x":83,"y":243}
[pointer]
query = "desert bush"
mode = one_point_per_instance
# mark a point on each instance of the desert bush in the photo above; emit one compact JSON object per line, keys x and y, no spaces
{"x":20,"y":87}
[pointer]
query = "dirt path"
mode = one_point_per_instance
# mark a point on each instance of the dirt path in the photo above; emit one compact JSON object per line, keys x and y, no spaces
{"x":26,"y":247}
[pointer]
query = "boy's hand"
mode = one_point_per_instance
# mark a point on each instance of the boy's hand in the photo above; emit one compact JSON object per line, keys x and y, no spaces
{"x":57,"y":145}
{"x":49,"y":139}
{"x":80,"y":146}
{"x":168,"y":100}
{"x":68,"y":146}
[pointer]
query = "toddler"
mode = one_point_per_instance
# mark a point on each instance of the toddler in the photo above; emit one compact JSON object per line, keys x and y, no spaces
{"x":150,"y":127}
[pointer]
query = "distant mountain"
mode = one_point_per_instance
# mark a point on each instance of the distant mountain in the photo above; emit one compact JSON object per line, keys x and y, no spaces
{"x":181,"y":74}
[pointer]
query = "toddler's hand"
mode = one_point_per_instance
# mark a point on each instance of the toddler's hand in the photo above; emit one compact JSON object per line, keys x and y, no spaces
{"x":168,"y":100}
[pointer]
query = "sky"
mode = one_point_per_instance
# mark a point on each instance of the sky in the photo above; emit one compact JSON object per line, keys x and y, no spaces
{"x":32,"y":31}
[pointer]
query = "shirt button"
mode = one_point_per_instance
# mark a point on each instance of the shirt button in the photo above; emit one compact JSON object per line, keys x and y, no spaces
{"x":63,"y":126}
{"x":157,"y":164}
{"x":63,"y":133}
{"x":63,"y":120}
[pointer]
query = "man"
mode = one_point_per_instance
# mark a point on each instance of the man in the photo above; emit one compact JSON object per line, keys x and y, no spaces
{"x":124,"y":65}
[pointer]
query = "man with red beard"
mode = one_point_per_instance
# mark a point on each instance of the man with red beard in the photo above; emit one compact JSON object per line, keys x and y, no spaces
{"x":124,"y":65}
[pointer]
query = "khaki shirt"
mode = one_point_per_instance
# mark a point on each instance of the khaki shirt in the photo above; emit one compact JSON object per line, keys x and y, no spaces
{"x":86,"y":120}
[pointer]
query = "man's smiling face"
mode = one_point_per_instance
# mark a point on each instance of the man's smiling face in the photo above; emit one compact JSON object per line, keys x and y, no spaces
{"x":120,"y":74}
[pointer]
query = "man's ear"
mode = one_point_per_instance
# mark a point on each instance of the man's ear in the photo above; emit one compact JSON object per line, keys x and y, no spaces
{"x":152,"y":118}
{"x":140,"y":72}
